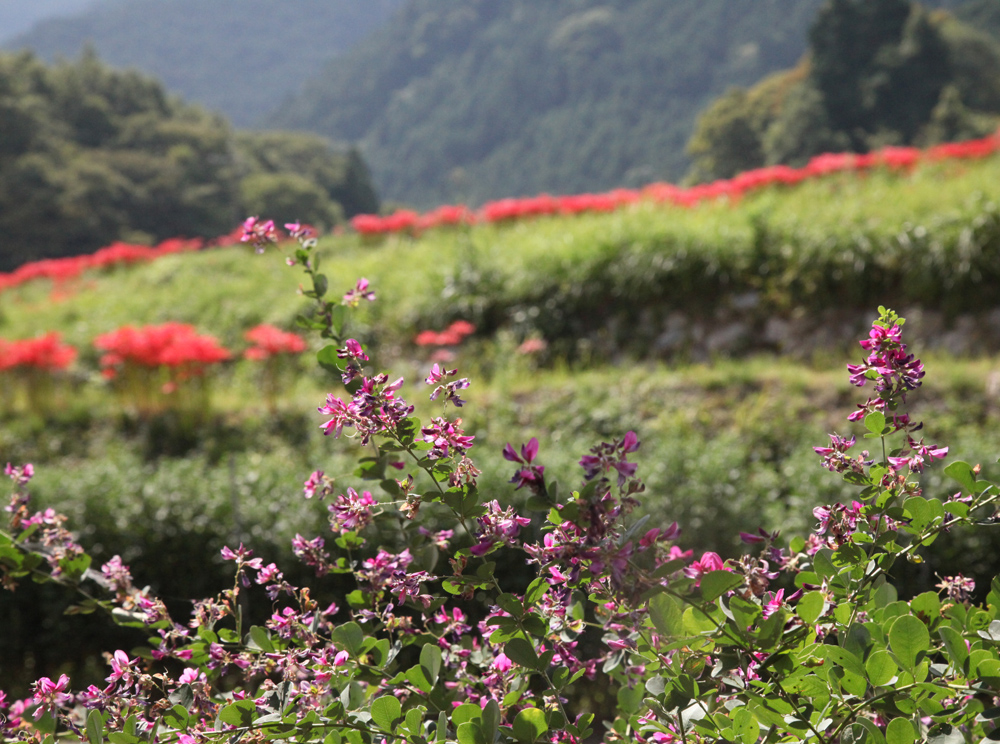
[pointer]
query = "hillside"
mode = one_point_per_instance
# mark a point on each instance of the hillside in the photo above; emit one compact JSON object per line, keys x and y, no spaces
{"x":90,"y":155}
{"x":240,"y":58}
{"x":493,"y":99}
{"x":480,"y":100}
{"x":914,"y":78}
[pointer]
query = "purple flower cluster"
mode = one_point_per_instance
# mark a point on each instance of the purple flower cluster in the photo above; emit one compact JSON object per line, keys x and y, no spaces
{"x":497,"y":527}
{"x":359,"y":292}
{"x":375,"y":409}
{"x":354,"y":354}
{"x":448,"y":389}
{"x":835,"y":457}
{"x":259,"y":233}
{"x":530,"y":475}
{"x":614,"y":455}
{"x":446,"y":437}
{"x":352,"y":512}
{"x":893,"y":371}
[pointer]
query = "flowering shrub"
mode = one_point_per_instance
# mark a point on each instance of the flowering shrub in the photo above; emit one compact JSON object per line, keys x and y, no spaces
{"x":804,"y":641}
{"x":150,"y":363}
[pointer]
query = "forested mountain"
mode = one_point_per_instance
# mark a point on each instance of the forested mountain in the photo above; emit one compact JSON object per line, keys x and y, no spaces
{"x":17,"y":16}
{"x":240,"y":57}
{"x":877,"y":73}
{"x":480,"y":99}
{"x":89,"y":155}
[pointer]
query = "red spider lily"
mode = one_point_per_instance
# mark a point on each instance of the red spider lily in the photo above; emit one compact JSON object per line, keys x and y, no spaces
{"x":269,"y":341}
{"x":45,"y":352}
{"x":453,"y":335}
{"x":173,"y":345}
{"x":513,"y":209}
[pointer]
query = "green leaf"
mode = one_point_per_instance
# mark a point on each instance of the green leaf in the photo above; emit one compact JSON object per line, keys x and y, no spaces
{"x":416,"y":677}
{"x":95,"y":726}
{"x":530,"y":725}
{"x":667,"y":614}
{"x":386,"y":710}
{"x":945,"y":733}
{"x":415,"y":720}
{"x":176,"y":718}
{"x":745,"y":726}
{"x":430,"y":662}
{"x":240,"y":714}
{"x":716,"y":583}
{"x":656,"y":685}
{"x":260,"y":638}
{"x":962,"y":472}
{"x":875,"y":422}
{"x":900,"y":731}
{"x":810,"y":607}
{"x":872,"y":733}
{"x":320,"y":284}
{"x":880,"y":668}
{"x":511,"y":604}
{"x":535,"y":591}
{"x":908,"y":637}
{"x":350,"y":636}
{"x":466,"y":712}
{"x":328,"y":359}
{"x":491,"y":720}
{"x":120,"y":737}
{"x":954,"y":646}
{"x":521,"y":652}
{"x":470,"y":733}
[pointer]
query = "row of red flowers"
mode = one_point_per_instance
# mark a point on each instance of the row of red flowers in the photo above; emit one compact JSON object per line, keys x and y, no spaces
{"x":117,"y":254}
{"x":173,"y":345}
{"x":506,"y":210}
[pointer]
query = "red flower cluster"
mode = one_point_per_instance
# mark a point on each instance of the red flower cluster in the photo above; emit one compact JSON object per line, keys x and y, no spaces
{"x":453,"y":335}
{"x":269,"y":341}
{"x":116,"y":254}
{"x":45,"y":352}
{"x":508,"y":210}
{"x":174,"y":345}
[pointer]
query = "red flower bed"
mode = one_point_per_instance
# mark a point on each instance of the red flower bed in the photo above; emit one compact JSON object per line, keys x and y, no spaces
{"x":46,"y":352}
{"x":269,"y":341}
{"x":453,"y":335}
{"x":510,"y":210}
{"x":174,"y":345}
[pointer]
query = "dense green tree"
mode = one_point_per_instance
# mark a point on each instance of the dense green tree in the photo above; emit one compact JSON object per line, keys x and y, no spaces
{"x":89,"y":155}
{"x":484,"y":99}
{"x":727,"y":142}
{"x":878,"y":72}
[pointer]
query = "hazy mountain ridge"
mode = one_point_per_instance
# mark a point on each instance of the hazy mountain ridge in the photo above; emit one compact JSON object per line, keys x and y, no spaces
{"x":489,"y":99}
{"x":239,"y":57}
{"x":18,"y":16}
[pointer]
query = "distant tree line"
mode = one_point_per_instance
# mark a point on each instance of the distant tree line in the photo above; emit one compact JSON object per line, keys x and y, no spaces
{"x":90,"y":155}
{"x":877,"y":72}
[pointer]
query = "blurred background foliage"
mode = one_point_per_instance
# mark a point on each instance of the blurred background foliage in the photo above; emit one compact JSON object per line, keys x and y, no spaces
{"x":876,"y":74}
{"x":90,"y":155}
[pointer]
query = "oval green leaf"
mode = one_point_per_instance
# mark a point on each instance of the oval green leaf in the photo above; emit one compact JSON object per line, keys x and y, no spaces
{"x":908,"y":637}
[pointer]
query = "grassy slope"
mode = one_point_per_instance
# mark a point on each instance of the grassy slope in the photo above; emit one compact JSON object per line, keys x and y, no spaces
{"x":419,"y":283}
